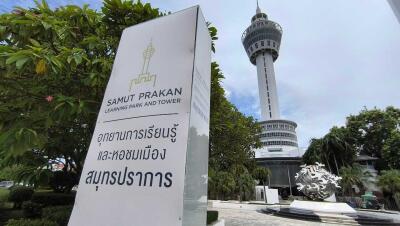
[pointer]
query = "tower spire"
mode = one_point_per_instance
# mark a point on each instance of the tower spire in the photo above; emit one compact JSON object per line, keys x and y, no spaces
{"x":258,"y":10}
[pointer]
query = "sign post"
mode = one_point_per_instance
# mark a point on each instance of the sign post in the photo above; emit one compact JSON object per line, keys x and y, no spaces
{"x":148,"y":157}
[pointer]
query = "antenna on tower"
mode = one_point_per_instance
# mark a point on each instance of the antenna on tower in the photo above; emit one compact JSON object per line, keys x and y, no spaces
{"x":258,"y":8}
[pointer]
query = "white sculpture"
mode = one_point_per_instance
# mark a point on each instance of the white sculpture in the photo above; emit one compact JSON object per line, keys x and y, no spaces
{"x":315,"y":182}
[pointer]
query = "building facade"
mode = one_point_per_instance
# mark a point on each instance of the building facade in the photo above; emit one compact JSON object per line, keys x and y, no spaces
{"x":279,"y":152}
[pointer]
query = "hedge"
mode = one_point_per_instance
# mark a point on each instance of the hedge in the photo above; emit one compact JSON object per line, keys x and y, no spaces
{"x":58,"y":214}
{"x":28,"y":222}
{"x":212,"y":215}
{"x":31,"y":209}
{"x":19,"y":194}
{"x":53,"y":199}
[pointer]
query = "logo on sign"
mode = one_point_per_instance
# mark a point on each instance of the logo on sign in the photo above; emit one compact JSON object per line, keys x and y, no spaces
{"x":145,"y":76}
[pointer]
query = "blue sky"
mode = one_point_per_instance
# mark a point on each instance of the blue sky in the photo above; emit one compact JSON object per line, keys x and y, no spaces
{"x":336,"y":56}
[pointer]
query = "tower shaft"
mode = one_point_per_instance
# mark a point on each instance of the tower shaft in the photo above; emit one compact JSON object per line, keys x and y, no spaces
{"x":267,"y":87}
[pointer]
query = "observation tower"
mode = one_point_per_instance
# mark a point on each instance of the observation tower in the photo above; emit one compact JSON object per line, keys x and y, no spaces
{"x":262,"y":41}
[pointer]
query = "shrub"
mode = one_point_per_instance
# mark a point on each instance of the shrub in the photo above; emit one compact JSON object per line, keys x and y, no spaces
{"x":19,"y":194}
{"x":389,"y":181}
{"x":212,"y":215}
{"x":63,"y":181}
{"x":396,"y":197}
{"x":32,"y":209}
{"x":3,"y":196}
{"x":58,"y":214}
{"x":28,"y":222}
{"x":53,"y":199}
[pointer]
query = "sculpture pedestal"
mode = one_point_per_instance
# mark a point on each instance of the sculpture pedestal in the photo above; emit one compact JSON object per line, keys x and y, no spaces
{"x":322,"y":207}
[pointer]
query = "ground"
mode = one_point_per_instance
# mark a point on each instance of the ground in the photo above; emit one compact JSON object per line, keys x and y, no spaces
{"x":242,"y":214}
{"x":237,"y":217}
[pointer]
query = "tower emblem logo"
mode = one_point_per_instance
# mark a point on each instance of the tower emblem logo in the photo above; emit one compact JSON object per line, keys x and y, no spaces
{"x":145,"y":76}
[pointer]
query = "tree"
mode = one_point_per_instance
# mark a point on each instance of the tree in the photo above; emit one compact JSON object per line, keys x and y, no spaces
{"x":389,"y":181}
{"x":370,"y":129}
{"x":10,"y":172}
{"x":233,"y":137}
{"x":262,"y":174}
{"x":313,"y":152}
{"x":54,"y":67}
{"x":225,"y":184}
{"x":353,"y":175}
{"x":245,"y":183}
{"x":372,"y":132}
{"x":391,"y":150}
{"x":334,"y":150}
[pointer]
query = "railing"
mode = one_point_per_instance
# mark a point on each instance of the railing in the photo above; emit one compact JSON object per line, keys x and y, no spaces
{"x":268,"y":23}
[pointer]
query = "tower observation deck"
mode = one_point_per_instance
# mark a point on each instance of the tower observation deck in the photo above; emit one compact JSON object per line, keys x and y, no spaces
{"x":262,"y":41}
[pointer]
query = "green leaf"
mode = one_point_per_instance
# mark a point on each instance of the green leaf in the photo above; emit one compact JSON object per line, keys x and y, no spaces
{"x":22,"y":21}
{"x":21,"y":62}
{"x":59,"y":105}
{"x":2,"y":29}
{"x":78,"y":59}
{"x":95,"y":61}
{"x":34,"y":42}
{"x":46,"y":25}
{"x":14,"y":58}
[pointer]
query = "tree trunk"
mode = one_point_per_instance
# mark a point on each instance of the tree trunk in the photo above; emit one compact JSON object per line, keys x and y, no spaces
{"x":337,"y":168}
{"x":265,"y":194}
{"x":327,"y":162}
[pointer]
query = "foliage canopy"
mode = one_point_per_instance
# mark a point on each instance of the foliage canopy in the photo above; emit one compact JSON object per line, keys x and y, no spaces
{"x":372,"y":132}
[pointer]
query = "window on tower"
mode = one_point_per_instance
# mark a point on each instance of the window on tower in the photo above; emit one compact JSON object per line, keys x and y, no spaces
{"x":256,"y":45}
{"x":269,"y":43}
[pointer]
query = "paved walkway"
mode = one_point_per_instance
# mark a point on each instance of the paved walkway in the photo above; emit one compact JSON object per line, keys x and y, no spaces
{"x":242,"y":217}
{"x":241,"y":214}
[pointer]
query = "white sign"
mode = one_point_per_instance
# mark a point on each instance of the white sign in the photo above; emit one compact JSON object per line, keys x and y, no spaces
{"x":272,"y":196}
{"x":147,"y":161}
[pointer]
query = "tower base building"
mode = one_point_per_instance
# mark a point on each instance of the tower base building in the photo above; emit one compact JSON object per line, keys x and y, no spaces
{"x":278,"y":139}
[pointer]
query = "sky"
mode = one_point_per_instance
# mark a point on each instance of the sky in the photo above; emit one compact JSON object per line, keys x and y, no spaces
{"x":336,"y":57}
